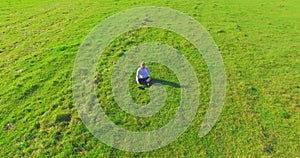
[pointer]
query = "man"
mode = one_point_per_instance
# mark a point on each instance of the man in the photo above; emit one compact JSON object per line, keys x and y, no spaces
{"x":142,"y":74}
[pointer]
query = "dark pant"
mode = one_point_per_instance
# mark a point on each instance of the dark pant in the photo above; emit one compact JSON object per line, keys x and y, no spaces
{"x":143,"y":80}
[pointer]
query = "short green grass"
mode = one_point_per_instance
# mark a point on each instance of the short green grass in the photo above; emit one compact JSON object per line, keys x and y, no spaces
{"x":259,"y":42}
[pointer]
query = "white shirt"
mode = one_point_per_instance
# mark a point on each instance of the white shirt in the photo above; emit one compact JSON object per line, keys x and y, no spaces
{"x":142,"y":73}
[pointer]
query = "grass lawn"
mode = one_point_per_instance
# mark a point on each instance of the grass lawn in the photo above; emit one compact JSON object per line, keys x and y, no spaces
{"x":259,"y":43}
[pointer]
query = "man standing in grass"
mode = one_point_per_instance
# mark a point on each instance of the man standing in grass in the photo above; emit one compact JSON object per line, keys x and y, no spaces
{"x":142,"y":74}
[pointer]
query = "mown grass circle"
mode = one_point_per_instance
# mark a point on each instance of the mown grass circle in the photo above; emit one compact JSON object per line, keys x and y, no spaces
{"x":100,"y":37}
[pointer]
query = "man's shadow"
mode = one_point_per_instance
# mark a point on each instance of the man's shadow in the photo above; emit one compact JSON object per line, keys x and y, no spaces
{"x":165,"y":82}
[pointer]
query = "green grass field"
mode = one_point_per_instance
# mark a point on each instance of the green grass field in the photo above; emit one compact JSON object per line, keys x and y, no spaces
{"x":259,"y":42}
